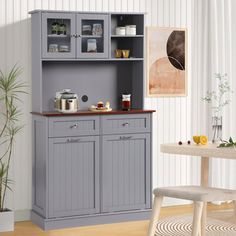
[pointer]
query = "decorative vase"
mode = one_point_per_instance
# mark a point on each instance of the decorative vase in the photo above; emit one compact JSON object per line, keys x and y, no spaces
{"x":216,"y":128}
{"x":6,"y":221}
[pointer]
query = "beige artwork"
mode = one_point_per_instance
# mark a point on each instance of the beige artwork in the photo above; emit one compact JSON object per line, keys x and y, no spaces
{"x":166,"y":62}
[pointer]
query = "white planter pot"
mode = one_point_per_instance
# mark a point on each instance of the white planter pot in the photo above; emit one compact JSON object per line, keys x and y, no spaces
{"x":6,"y":221}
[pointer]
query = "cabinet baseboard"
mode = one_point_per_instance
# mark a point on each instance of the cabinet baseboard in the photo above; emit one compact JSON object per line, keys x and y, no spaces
{"x":76,"y":221}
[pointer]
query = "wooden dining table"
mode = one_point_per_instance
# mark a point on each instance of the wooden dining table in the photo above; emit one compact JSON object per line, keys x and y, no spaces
{"x":205,"y":152}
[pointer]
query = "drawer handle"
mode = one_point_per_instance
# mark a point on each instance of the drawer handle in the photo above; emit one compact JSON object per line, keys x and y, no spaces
{"x":75,"y":126}
{"x":125,"y":137}
{"x":125,"y":124}
{"x":72,"y":140}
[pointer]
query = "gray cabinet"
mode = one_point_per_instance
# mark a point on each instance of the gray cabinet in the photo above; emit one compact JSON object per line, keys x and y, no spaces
{"x":73,"y":176}
{"x":86,"y":173}
{"x":89,"y":167}
{"x":125,"y":172}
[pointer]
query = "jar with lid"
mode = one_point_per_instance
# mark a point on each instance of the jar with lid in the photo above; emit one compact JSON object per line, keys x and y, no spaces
{"x":130,"y":29}
{"x":55,"y":27}
{"x":91,"y":45}
{"x":120,"y":30}
{"x":62,"y":29}
{"x":126,"y":102}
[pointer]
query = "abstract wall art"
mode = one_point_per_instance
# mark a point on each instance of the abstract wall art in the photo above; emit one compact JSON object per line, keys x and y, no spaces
{"x":166,"y":62}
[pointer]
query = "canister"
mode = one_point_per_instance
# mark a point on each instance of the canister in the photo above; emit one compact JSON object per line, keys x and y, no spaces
{"x":92,"y":45}
{"x":120,"y":30}
{"x":130,"y":29}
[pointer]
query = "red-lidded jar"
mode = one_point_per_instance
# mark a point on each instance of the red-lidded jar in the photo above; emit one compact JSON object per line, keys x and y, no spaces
{"x":126,"y":102}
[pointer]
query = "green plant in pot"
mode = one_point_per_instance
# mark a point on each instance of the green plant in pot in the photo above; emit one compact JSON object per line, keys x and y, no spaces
{"x":10,"y":90}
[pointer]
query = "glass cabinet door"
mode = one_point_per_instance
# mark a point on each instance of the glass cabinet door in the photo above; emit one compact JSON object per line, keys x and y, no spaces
{"x":58,"y":35}
{"x":92,"y":36}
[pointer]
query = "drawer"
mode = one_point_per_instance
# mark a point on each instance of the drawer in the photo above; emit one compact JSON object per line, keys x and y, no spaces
{"x":73,"y":126}
{"x":132,"y":123}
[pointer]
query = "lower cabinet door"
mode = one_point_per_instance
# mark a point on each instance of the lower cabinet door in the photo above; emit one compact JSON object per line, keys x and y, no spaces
{"x":126,"y":172}
{"x":73,"y":176}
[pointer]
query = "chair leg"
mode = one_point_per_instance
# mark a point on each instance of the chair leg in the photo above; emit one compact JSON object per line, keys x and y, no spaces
{"x":198,"y":206}
{"x":155,"y":215}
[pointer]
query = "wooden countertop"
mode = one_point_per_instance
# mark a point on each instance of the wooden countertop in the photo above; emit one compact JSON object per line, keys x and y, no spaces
{"x":88,"y":113}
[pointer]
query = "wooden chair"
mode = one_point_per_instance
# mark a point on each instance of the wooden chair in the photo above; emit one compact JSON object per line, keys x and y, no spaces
{"x":197,"y":194}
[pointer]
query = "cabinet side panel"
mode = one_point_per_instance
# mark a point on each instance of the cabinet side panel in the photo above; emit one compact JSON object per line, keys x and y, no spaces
{"x":39,"y":165}
{"x":36,"y":62}
{"x":137,"y":85}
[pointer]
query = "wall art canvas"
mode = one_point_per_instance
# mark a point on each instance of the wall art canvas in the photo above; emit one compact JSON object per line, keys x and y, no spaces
{"x":166,"y":62}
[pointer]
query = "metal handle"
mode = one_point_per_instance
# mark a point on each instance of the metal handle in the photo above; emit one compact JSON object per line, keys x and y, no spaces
{"x":74,"y":35}
{"x":73,"y":140}
{"x":125,"y":124}
{"x":75,"y":126}
{"x":125,"y":137}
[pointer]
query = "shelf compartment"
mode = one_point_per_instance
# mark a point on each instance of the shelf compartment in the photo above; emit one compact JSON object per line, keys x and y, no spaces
{"x":124,"y":19}
{"x":134,"y":44}
{"x":110,"y":80}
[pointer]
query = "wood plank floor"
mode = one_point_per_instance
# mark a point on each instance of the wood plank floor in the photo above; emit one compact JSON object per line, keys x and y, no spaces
{"x":138,"y":228}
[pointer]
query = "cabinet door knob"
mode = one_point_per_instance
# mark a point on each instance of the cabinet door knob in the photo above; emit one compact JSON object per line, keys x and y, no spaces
{"x":125,"y":124}
{"x":72,"y":140}
{"x":125,"y":137}
{"x":75,"y":126}
{"x":72,"y":35}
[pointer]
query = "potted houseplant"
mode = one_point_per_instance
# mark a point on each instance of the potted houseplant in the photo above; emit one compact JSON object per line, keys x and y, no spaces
{"x":10,"y":89}
{"x":218,"y":98}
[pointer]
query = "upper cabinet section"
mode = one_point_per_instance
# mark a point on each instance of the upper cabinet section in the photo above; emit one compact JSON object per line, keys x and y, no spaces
{"x":71,"y":35}
{"x":75,"y":36}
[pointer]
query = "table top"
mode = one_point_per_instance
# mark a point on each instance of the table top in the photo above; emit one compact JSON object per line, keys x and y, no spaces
{"x":209,"y":150}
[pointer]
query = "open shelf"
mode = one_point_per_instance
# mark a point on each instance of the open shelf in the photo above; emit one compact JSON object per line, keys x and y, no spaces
{"x":94,"y":59}
{"x":58,"y":35}
{"x":91,"y":36}
{"x":127,"y":36}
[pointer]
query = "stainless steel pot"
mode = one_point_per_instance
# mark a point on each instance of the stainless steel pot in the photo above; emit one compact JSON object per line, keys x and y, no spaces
{"x":66,"y":101}
{"x":68,"y":105}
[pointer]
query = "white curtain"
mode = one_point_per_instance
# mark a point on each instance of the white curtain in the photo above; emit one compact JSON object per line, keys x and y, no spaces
{"x":215,"y":27}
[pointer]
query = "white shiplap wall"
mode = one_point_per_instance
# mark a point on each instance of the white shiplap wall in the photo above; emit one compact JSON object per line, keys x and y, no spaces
{"x":175,"y":118}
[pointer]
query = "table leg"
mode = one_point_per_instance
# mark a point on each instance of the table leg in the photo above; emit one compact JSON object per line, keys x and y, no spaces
{"x":205,"y":183}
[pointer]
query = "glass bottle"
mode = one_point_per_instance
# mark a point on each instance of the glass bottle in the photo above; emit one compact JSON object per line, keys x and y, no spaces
{"x":126,"y":102}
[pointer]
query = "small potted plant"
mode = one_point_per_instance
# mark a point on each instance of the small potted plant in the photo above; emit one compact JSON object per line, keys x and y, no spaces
{"x":219,"y":98}
{"x":10,"y":89}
